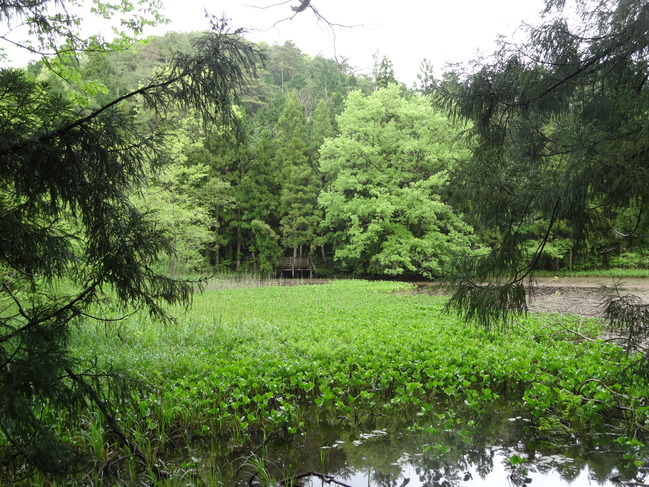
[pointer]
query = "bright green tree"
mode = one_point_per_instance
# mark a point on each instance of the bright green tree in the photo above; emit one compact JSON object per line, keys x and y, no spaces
{"x":175,"y":200}
{"x":560,"y":137}
{"x":71,"y":237}
{"x":386,"y":175}
{"x":266,"y":248}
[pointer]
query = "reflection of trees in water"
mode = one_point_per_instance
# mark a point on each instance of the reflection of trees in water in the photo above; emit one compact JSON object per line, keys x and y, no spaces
{"x":386,"y":479}
{"x":453,"y":468}
{"x":587,"y":457}
{"x":439,"y":459}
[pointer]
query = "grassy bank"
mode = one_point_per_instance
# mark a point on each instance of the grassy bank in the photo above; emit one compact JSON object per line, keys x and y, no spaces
{"x":248,"y":362}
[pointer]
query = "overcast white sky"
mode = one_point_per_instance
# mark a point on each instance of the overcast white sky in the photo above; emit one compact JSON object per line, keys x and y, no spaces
{"x":407,"y":31}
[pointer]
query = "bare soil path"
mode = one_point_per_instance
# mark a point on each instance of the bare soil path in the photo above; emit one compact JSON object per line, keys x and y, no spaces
{"x":582,"y":295}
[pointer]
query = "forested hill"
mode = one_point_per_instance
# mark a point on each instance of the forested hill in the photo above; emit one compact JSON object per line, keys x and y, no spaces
{"x":349,"y":170}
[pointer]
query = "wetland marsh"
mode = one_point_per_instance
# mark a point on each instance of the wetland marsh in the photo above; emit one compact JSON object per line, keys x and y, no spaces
{"x":260,"y":384}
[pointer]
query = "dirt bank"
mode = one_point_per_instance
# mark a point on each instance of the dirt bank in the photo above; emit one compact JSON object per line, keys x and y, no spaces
{"x":575,"y":295}
{"x":582,"y":295}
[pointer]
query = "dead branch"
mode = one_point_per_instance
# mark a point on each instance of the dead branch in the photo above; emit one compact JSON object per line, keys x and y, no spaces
{"x":302,"y":7}
{"x":325,"y":478}
{"x":268,"y":6}
{"x":111,"y":422}
{"x":565,"y":328}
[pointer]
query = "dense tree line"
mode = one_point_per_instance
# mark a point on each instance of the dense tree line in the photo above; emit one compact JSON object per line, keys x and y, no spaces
{"x":275,"y":169}
{"x":298,"y":115}
{"x":223,"y":185}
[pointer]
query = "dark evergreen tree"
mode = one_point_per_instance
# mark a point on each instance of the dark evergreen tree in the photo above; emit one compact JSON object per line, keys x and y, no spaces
{"x":71,"y":238}
{"x":322,"y":127}
{"x":266,"y":247}
{"x":561,"y":135}
{"x":383,"y":72}
{"x":299,"y":180}
{"x":261,"y":185}
{"x":287,"y":66}
{"x":329,"y":81}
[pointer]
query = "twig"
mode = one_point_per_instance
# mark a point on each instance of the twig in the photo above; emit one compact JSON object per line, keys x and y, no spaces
{"x":329,"y":479}
{"x":112,"y":423}
{"x":574,"y":332}
{"x":268,"y":6}
{"x":614,"y":394}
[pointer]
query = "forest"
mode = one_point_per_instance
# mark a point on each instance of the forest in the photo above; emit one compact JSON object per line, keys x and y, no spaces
{"x":294,"y":177}
{"x":151,"y":186}
{"x":351,"y":171}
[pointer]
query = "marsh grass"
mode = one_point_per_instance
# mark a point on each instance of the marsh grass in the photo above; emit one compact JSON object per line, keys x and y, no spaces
{"x":251,"y":362}
{"x":225,"y":280}
{"x":238,"y":280}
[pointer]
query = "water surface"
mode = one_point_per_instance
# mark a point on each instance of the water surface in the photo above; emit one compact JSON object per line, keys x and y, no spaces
{"x":444,"y":450}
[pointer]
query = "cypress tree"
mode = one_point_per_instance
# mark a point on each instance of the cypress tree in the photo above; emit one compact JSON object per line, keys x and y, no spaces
{"x":560,"y":136}
{"x":70,"y":238}
{"x":299,"y":185}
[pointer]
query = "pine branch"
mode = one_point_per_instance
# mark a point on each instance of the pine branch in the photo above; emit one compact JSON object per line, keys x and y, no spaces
{"x":112,"y":422}
{"x":530,"y":267}
{"x":33,"y":322}
{"x":58,"y":133}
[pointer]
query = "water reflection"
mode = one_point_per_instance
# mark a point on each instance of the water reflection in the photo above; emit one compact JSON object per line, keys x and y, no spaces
{"x":441,"y":451}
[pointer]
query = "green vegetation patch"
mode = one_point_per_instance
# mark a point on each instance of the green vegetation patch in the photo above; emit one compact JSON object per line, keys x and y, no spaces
{"x":250,"y":360}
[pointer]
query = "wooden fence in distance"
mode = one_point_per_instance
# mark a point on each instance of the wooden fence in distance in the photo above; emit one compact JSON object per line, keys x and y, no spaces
{"x":294,"y":265}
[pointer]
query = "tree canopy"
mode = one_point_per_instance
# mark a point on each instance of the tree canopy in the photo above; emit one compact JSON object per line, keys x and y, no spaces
{"x":559,"y":137}
{"x":72,"y":238}
{"x":386,"y":173}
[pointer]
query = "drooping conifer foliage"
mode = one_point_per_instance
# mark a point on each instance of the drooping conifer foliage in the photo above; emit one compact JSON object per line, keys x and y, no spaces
{"x":70,"y":238}
{"x":561,"y":137}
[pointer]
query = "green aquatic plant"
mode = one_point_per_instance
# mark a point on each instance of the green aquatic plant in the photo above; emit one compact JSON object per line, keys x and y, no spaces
{"x":251,"y":363}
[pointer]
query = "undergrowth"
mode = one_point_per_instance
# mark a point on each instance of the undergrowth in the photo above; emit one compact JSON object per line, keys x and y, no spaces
{"x":248,"y":362}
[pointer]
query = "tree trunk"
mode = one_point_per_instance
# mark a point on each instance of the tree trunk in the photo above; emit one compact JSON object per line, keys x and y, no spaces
{"x":239,"y":238}
{"x":293,"y":264}
{"x":217,"y":248}
{"x":174,"y":256}
{"x":238,"y":247}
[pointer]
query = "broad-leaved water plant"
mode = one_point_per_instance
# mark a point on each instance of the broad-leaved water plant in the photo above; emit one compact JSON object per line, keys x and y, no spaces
{"x":248,"y":363}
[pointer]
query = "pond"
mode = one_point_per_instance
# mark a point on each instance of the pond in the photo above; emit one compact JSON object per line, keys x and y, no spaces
{"x":442,"y":450}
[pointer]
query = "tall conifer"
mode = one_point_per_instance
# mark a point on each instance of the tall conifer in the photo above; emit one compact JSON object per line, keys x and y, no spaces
{"x":70,"y":238}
